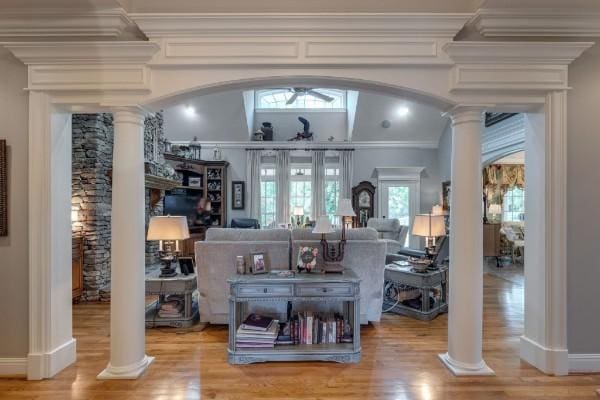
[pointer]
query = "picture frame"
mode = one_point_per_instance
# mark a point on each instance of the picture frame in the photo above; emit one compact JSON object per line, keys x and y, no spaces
{"x":307,"y":258}
{"x":186,"y":265}
{"x":238,"y":195}
{"x":259,"y":263}
{"x":195,"y":182}
{"x":446,"y":188}
{"x":3,"y":188}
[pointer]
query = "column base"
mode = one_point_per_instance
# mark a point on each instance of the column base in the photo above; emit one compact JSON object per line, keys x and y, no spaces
{"x":462,"y":369}
{"x":128,"y":372}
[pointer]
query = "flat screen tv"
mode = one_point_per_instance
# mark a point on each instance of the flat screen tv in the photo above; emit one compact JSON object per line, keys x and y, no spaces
{"x":184,"y":204}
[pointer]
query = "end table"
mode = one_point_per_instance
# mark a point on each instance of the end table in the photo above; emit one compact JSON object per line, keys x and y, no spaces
{"x":181,"y":284}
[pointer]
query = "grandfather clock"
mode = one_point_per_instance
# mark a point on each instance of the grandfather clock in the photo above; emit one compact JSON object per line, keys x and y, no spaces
{"x":363,"y":202}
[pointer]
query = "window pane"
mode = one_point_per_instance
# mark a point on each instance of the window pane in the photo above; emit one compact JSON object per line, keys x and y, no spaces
{"x":399,"y":204}
{"x":278,"y":98}
{"x":514,"y":205}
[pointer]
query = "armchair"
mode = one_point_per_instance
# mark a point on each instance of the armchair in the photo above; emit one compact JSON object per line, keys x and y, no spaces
{"x":391,"y":232}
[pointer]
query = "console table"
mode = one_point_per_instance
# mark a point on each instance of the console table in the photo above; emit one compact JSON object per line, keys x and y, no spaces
{"x":430,"y":284}
{"x":180,"y":284}
{"x":244,"y":289}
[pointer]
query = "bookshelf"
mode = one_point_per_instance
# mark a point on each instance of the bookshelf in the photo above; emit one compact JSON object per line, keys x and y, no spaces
{"x":301,"y":289}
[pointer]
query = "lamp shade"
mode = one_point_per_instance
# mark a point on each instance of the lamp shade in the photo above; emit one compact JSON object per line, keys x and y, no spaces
{"x":345,"y":208}
{"x":298,"y":211}
{"x":168,"y":228}
{"x":495,"y":209}
{"x":323,"y":225}
{"x":429,"y":225}
{"x":437,"y":210}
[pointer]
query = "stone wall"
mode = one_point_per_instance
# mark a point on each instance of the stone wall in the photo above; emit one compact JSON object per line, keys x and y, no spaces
{"x":92,"y":194}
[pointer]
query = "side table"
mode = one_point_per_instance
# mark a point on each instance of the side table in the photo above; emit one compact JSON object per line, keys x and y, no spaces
{"x":180,"y":284}
{"x":432,"y":284}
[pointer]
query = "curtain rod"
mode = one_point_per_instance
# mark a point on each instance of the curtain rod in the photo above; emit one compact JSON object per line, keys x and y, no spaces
{"x":296,"y":148}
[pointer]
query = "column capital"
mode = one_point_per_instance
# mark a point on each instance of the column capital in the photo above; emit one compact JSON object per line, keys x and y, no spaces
{"x":129,"y":114}
{"x":464,"y":113}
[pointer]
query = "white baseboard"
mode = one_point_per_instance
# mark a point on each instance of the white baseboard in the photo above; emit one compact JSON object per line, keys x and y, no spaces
{"x":549,"y":361}
{"x":13,"y":366}
{"x":46,"y":365}
{"x":584,"y":362}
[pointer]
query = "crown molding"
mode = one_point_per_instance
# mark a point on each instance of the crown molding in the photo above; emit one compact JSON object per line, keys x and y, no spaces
{"x":59,"y":22}
{"x":278,"y":24}
{"x":537,"y":22}
{"x":521,"y":53}
{"x":78,"y":53}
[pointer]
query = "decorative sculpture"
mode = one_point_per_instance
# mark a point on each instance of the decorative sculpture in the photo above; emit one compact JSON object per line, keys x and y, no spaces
{"x":306,"y":134}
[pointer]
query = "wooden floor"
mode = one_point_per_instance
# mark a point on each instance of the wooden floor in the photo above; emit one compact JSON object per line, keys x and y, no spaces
{"x":399,"y":362}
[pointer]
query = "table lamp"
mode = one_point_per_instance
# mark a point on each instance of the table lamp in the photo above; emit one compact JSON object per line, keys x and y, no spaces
{"x":429,"y":226}
{"x":298,"y":212}
{"x":332,"y":255}
{"x":345,"y":211}
{"x":168,"y":231}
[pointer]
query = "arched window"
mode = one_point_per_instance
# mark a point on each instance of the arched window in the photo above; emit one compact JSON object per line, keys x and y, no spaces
{"x":513,"y":208}
{"x":272,"y":99}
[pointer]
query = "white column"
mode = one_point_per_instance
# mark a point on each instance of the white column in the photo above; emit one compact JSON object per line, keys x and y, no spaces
{"x":128,"y":359}
{"x":465,"y":314}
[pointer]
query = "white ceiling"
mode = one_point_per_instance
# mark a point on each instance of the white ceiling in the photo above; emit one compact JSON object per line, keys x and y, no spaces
{"x":221,"y":117}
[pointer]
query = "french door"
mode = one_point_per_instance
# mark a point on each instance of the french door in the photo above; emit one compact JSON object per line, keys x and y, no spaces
{"x":400,"y":200}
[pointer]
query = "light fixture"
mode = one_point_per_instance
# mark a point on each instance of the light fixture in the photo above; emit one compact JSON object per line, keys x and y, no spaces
{"x":190,"y":111}
{"x":403,"y":111}
{"x":386,"y":124}
{"x":168,"y":231}
{"x":437,"y":210}
{"x":298,"y":213}
{"x":332,"y":255}
{"x":429,"y":226}
{"x":495,"y":210}
{"x":345,"y":211}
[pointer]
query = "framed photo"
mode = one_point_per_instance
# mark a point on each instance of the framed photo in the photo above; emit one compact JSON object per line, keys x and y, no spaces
{"x":446,"y":195}
{"x":195,"y":181}
{"x":307,"y":258}
{"x":259,"y":263}
{"x":238,"y":190}
{"x":3,"y":189}
{"x":186,"y":265}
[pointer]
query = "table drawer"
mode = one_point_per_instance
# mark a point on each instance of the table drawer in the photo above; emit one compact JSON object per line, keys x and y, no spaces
{"x":324,"y":290}
{"x":264,"y":290}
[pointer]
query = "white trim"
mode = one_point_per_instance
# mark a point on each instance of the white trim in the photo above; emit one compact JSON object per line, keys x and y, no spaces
{"x":399,"y":173}
{"x":461,"y":369}
{"x":13,"y":366}
{"x":549,"y":361}
{"x":47,"y":364}
{"x":579,"y":363}
{"x":537,"y":22}
{"x":63,"y":22}
{"x":320,"y":145}
{"x":127,"y":372}
{"x":159,"y":25}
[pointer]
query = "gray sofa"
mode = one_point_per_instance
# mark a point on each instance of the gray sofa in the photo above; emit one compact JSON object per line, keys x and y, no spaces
{"x":390,"y":231}
{"x":215,"y":261}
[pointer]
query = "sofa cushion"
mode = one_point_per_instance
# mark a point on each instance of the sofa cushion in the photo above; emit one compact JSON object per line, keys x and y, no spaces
{"x":247,"y":235}
{"x":384,"y":225}
{"x":351,"y":234}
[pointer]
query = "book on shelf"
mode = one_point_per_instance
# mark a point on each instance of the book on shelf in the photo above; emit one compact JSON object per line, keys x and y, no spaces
{"x":257,"y":322}
{"x":318,"y":328}
{"x":252,"y":338}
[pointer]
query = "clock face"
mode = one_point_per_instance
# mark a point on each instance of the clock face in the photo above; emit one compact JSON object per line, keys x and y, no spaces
{"x":364,"y":199}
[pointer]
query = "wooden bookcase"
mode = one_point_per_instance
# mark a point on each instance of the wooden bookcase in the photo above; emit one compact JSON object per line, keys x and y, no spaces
{"x":202,"y":178}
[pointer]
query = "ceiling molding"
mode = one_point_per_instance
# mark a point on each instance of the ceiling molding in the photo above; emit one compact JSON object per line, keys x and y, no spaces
{"x":399,"y":173}
{"x":58,"y":22}
{"x":78,"y":53}
{"x":537,"y":22}
{"x":319,"y":145}
{"x":550,"y":53}
{"x":286,"y":24}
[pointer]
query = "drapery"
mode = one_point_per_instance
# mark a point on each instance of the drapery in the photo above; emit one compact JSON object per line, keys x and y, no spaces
{"x":499,"y":178}
{"x":346,"y":173}
{"x":318,"y":185}
{"x":253,"y":179}
{"x":282,"y":174}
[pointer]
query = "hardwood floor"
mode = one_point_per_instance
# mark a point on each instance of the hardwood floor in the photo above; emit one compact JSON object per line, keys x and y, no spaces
{"x":399,"y":362}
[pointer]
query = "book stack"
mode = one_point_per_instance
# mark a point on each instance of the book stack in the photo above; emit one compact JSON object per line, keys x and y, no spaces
{"x":310,"y":328}
{"x":172,"y":307}
{"x":257,"y":331}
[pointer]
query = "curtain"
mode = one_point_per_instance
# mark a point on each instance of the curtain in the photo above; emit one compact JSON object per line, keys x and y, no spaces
{"x":318,"y":184}
{"x":253,"y":179}
{"x":498,"y":179}
{"x":282,"y":174}
{"x":346,"y":173}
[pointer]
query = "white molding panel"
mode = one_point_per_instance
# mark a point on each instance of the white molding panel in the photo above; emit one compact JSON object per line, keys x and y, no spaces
{"x":13,"y":366}
{"x":549,"y":361}
{"x":319,"y":145}
{"x":280,"y":24}
{"x":584,"y":363}
{"x":537,"y":22}
{"x":60,"y":22}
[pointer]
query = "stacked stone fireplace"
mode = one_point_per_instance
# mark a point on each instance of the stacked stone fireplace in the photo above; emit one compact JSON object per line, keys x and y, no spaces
{"x":92,"y":192}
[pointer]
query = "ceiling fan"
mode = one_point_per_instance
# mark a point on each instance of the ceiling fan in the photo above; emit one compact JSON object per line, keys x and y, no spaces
{"x":298,"y":91}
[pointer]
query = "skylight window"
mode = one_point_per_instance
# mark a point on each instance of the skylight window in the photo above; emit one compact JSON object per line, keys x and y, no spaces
{"x":300,"y":98}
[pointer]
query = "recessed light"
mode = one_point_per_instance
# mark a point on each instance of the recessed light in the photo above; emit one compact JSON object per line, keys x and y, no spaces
{"x":190,"y":111}
{"x":403,"y":111}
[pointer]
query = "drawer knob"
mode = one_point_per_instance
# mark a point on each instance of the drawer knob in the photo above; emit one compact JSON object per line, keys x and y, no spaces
{"x":324,"y":290}
{"x":265,"y":290}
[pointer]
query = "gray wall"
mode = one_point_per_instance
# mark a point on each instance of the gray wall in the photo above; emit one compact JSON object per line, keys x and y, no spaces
{"x":322,"y":124}
{"x":583,"y":198}
{"x":445,"y":153}
{"x":14,"y":247}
